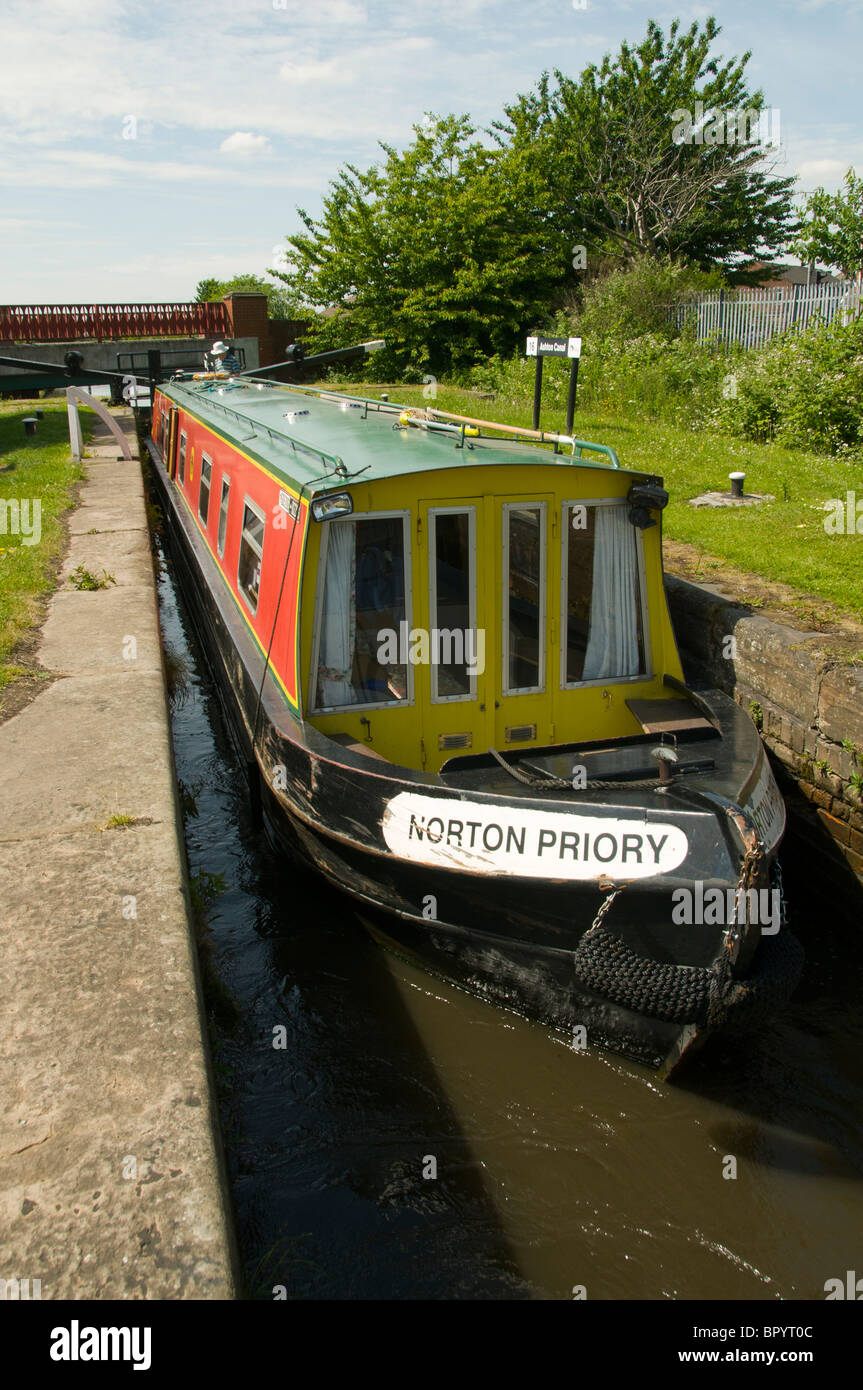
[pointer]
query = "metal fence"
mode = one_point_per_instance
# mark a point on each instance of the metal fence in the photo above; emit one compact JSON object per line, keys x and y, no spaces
{"x":750,"y":317}
{"x":58,"y":323}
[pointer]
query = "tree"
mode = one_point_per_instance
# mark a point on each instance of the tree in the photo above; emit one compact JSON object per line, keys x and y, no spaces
{"x":208,"y":290}
{"x":433,"y":249}
{"x":280,"y":305}
{"x":833,"y":229}
{"x":655,"y":152}
{"x":454,"y":248}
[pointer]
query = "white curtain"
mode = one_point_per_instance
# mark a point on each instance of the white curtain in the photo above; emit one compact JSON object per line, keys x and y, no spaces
{"x":612,"y":644}
{"x":338,"y":626}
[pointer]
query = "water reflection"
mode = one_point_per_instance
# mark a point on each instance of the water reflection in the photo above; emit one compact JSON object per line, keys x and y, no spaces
{"x":554,"y":1169}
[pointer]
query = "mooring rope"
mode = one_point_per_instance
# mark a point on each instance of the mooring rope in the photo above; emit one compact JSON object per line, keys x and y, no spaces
{"x":528,"y":779}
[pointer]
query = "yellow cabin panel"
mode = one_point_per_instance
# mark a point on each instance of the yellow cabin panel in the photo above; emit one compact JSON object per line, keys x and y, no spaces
{"x":498,"y":546}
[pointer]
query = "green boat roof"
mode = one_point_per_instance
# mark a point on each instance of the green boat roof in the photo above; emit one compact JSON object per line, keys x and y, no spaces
{"x":322,"y":439}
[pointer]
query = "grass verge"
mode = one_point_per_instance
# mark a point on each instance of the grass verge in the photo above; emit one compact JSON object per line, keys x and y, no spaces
{"x":783,"y":541}
{"x":38,"y":470}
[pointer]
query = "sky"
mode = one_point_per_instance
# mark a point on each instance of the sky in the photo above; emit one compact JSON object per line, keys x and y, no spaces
{"x":145,"y":146}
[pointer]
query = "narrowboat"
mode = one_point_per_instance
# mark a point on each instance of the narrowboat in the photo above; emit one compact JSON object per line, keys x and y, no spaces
{"x":446,"y":647}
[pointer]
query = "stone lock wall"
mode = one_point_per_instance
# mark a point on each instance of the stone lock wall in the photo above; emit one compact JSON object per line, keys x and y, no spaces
{"x":808,"y":705}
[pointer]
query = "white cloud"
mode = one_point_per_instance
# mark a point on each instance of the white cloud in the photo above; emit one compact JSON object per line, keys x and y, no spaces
{"x":97,"y":169}
{"x":822,"y":170}
{"x":313,"y":71}
{"x":244,"y":142}
{"x":312,"y":86}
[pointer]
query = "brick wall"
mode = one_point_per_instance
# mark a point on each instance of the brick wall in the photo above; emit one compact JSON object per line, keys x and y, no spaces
{"x":809,"y":707}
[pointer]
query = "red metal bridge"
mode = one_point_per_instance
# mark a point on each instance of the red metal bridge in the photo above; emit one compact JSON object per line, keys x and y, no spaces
{"x":57,"y":323}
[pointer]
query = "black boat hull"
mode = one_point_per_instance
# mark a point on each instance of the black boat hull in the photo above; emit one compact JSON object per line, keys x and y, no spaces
{"x":516,"y":941}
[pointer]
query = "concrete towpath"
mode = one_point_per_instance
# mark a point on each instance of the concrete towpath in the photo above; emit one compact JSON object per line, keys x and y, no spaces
{"x":110,"y":1182}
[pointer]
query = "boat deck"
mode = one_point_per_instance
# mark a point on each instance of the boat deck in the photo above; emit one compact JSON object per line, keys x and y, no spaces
{"x":309,"y":438}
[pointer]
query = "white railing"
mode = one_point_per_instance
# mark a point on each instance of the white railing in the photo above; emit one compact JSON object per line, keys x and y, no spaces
{"x":750,"y":317}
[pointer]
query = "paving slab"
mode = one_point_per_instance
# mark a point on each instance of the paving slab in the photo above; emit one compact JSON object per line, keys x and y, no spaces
{"x":111,"y":515}
{"x":126,"y":555}
{"x":89,"y":630}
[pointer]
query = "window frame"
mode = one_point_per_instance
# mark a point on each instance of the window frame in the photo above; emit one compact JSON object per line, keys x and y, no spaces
{"x":253,"y":507}
{"x":433,"y":514}
{"x":221,"y":540}
{"x":408,"y":701}
{"x":208,"y":462}
{"x":181,"y":457}
{"x":523,"y":505}
{"x":647,"y":673}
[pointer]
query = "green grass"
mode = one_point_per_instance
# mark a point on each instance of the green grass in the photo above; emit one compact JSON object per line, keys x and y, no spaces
{"x":44,"y":469}
{"x":781,"y":541}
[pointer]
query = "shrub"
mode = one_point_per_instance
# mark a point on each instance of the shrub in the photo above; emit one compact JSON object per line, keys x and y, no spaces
{"x":635,"y":300}
{"x":804,"y":388}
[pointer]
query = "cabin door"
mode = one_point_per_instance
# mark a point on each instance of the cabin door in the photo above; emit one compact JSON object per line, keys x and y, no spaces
{"x":527,"y":580}
{"x":448,"y":642}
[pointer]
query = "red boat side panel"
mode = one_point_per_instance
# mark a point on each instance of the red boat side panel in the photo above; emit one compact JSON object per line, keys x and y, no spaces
{"x":274,"y":622}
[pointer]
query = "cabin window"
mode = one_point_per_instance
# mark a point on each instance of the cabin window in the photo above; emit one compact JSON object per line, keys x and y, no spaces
{"x":452,"y":545}
{"x":204,"y":489}
{"x":223,"y":513}
{"x":251,"y":554}
{"x":603,"y":636}
{"x":182,"y":465}
{"x":524,"y":597}
{"x":362,"y":625}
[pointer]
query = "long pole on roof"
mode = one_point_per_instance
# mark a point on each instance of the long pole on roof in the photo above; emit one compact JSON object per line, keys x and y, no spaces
{"x":300,"y":359}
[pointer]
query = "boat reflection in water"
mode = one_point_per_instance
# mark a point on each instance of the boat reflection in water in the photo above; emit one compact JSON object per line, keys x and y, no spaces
{"x":449,"y":657}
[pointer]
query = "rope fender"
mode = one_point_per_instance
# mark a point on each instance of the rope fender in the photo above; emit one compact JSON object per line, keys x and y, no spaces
{"x":605,"y":964}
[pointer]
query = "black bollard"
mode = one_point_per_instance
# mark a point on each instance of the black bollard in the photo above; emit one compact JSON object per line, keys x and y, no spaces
{"x":30,"y":425}
{"x":737,"y":481}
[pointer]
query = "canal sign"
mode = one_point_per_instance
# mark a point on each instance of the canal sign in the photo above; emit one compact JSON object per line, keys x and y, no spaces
{"x":540,"y":346}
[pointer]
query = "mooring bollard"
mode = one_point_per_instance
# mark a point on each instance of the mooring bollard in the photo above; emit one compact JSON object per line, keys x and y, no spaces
{"x":30,"y":424}
{"x":737,"y":481}
{"x":40,"y":414}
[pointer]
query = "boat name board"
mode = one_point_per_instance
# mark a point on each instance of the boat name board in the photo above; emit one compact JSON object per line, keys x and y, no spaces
{"x":485,"y":839}
{"x":766,"y":808}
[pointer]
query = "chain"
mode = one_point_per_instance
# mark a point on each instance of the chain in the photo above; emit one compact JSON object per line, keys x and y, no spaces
{"x":603,"y":909}
{"x":749,"y":867}
{"x":783,"y":901}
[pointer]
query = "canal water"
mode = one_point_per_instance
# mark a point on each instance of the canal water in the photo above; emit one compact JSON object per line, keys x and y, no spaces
{"x":405,"y":1141}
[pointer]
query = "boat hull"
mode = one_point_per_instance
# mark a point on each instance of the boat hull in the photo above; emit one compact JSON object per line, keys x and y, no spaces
{"x":516,"y":939}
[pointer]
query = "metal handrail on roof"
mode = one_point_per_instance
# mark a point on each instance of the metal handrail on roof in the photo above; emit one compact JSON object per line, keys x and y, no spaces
{"x":393,"y":408}
{"x":298,"y":445}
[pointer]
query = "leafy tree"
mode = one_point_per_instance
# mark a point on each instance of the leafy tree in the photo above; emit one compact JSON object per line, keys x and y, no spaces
{"x":452,"y":249}
{"x":280,"y":304}
{"x":634,"y":298}
{"x":434,"y":249}
{"x":656,"y":151}
{"x":208,"y":290}
{"x":833,"y":230}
